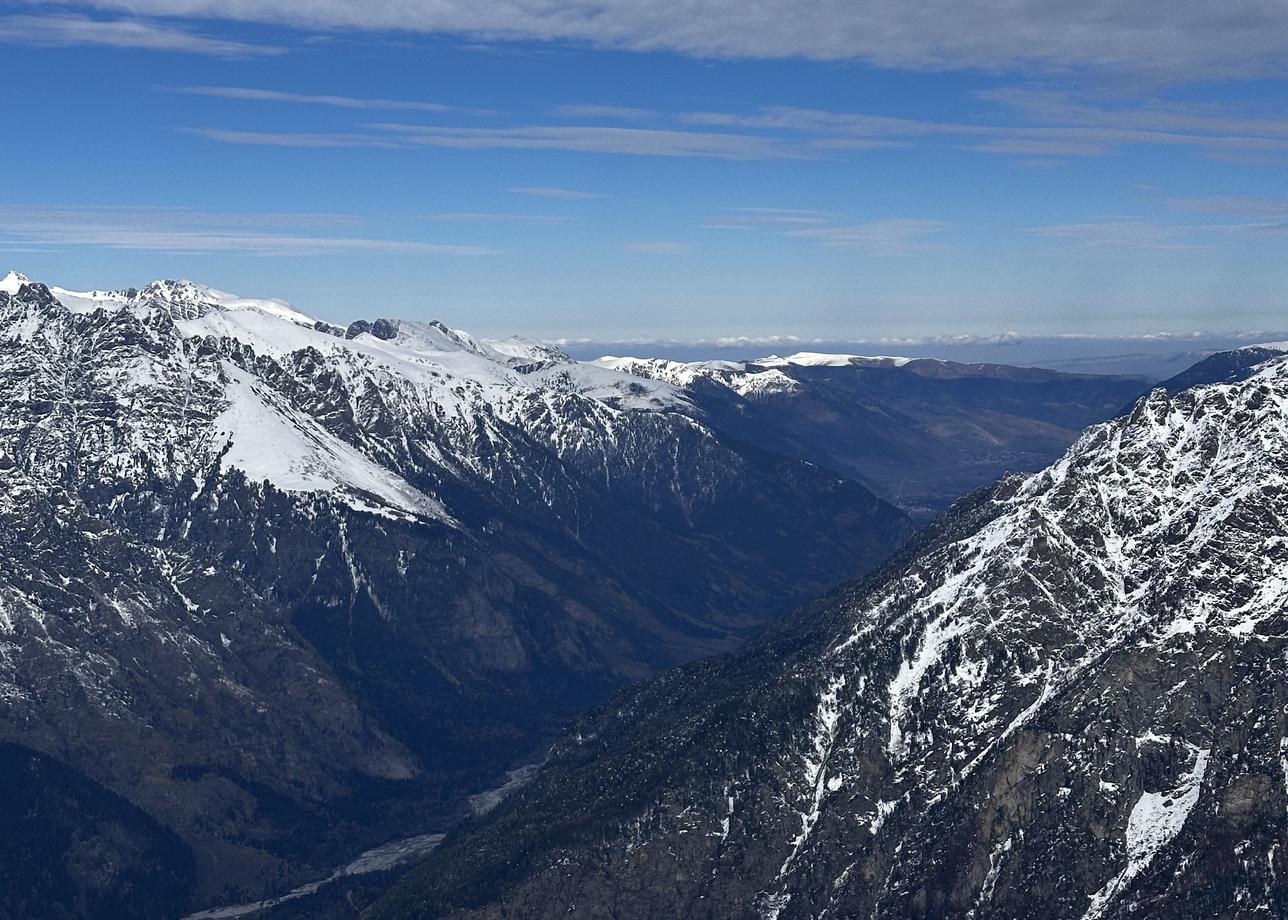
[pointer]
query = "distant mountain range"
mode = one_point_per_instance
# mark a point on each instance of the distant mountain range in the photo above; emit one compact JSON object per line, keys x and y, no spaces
{"x":919,"y":432}
{"x":1149,"y":357}
{"x":1065,"y":699}
{"x":275,"y":591}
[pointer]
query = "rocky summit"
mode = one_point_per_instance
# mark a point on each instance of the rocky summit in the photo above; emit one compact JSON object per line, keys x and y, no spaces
{"x":1064,"y":699}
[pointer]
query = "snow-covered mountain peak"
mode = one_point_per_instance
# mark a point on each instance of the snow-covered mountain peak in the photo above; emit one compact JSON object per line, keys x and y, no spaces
{"x":29,"y":300}
{"x":253,"y":358}
{"x":181,"y":292}
{"x":12,"y":282}
{"x":433,"y":337}
{"x":761,"y":378}
{"x":182,"y":300}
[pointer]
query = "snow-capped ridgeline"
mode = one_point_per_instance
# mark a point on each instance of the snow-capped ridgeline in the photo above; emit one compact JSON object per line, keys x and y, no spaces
{"x":276,"y":328}
{"x":747,"y":380}
{"x":750,"y":379}
{"x":415,"y":371}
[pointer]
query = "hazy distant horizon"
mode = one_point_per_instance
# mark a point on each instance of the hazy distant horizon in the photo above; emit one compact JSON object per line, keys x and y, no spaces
{"x":1150,"y":358}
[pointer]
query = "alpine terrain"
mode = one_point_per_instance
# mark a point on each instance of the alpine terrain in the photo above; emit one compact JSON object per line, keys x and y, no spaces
{"x":1064,"y":699}
{"x":919,"y":432}
{"x":274,"y":592}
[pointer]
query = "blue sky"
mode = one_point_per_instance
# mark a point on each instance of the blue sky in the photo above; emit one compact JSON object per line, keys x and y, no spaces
{"x":662,"y":170}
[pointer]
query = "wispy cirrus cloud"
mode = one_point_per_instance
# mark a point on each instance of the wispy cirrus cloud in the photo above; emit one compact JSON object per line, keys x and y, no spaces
{"x":822,"y":122}
{"x":71,"y":29}
{"x":1050,"y":106}
{"x":490,"y":216}
{"x":342,"y":102}
{"x":1028,"y":147}
{"x":892,"y":237}
{"x":598,"y":139}
{"x":1195,"y":40}
{"x":1124,"y":235}
{"x":572,"y":138}
{"x":301,"y":139}
{"x":554,"y":191}
{"x":746,"y":218}
{"x":1233,"y":205}
{"x":760,"y":215}
{"x":1249,"y":220}
{"x":1239,"y":158}
{"x":659,"y":248}
{"x":611,"y":112}
{"x":177,"y":230}
{"x":1036,"y":127}
{"x":593,"y":139}
{"x":1051,"y":124}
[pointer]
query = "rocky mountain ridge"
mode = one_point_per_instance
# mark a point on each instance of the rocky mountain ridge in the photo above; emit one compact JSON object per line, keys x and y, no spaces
{"x":292,"y":590}
{"x":1064,"y":699}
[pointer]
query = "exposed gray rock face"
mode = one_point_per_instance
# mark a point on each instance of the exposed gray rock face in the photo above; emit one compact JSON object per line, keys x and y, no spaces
{"x":1065,"y":700}
{"x":383,"y":329}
